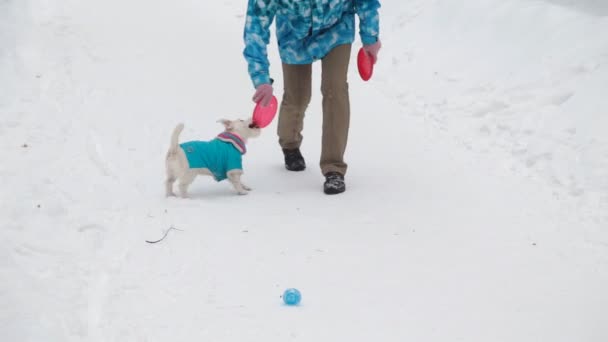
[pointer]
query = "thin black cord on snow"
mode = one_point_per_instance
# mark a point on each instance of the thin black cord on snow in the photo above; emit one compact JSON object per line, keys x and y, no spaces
{"x":164,"y":236}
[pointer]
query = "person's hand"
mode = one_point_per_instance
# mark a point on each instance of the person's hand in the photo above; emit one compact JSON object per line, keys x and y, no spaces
{"x":263,"y":94}
{"x":372,"y":50}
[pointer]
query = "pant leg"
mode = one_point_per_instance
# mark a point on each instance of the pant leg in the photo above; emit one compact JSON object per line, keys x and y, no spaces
{"x":297,"y":81}
{"x":336,"y":109}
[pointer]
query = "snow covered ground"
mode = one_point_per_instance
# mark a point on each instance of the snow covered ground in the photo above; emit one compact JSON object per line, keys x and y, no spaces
{"x":477,"y":202}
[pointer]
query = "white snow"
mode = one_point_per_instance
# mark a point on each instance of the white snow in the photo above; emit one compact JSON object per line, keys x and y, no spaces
{"x":477,"y":201}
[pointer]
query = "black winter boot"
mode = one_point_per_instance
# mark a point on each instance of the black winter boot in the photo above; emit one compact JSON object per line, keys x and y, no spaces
{"x":334,"y":183}
{"x":294,"y":160}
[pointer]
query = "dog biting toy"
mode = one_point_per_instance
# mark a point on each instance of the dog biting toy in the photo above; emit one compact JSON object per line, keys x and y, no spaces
{"x":263,"y":115}
{"x":365,"y":64}
{"x":292,"y":297}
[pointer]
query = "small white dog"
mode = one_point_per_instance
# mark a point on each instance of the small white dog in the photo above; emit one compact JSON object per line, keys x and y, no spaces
{"x":220,"y":157}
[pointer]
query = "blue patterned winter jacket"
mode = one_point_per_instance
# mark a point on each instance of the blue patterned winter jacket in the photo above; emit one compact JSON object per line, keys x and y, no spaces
{"x":306,"y":30}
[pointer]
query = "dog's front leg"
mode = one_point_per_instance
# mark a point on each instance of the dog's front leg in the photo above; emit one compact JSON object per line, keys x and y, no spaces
{"x":235,"y":178}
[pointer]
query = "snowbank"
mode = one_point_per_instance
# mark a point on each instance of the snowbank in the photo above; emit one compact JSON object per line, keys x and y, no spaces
{"x":522,"y":77}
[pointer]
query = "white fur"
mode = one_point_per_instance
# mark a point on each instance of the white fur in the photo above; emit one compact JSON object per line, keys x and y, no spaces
{"x":177,"y":163}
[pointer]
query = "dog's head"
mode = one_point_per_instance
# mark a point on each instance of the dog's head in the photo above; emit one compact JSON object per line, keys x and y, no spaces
{"x":244,"y":128}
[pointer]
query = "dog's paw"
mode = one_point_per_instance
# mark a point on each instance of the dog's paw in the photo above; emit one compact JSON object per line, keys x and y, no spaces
{"x":243,"y":192}
{"x":246,"y":187}
{"x":170,"y":194}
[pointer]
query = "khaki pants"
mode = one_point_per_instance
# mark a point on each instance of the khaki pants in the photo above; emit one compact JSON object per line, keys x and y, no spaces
{"x":297,"y":81}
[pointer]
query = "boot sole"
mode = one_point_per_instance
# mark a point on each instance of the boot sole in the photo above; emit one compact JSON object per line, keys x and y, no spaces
{"x":295,"y":169}
{"x":333,"y":191}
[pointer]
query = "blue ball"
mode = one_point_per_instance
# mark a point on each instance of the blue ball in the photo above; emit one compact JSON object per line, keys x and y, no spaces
{"x":292,"y":297}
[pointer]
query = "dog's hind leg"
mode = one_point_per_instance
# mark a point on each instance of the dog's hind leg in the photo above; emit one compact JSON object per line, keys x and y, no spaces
{"x":184,"y":182}
{"x":170,"y":166}
{"x":169,"y":185}
{"x":171,"y":160}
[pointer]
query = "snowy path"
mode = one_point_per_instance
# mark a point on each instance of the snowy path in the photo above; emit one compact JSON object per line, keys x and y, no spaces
{"x":443,"y":237}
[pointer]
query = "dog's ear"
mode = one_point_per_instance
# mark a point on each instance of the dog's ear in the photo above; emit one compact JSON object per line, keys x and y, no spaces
{"x":227,"y":124}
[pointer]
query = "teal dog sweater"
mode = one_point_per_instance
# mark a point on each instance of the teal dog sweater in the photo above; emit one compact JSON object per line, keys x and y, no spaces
{"x":219,"y":156}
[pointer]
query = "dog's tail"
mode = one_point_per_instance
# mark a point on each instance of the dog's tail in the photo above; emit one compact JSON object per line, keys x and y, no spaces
{"x":175,"y":138}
